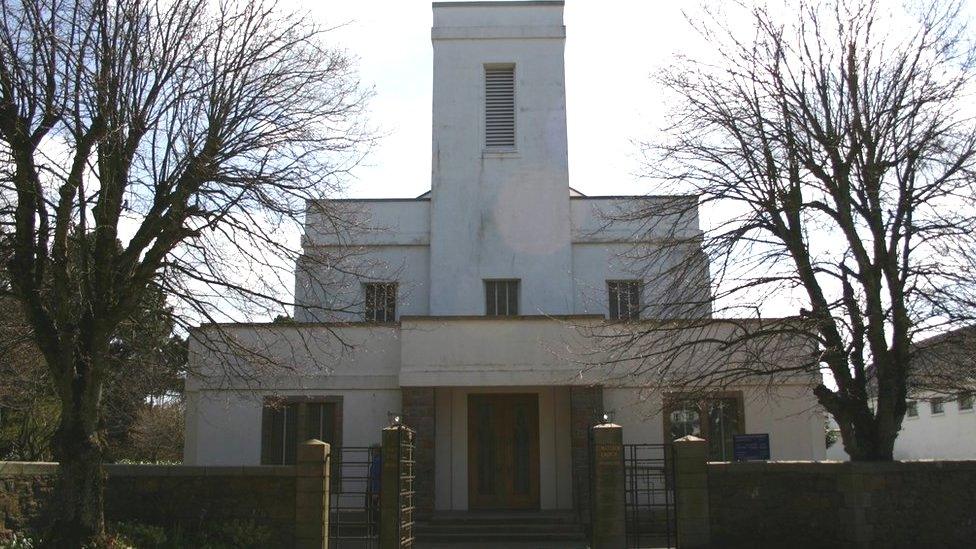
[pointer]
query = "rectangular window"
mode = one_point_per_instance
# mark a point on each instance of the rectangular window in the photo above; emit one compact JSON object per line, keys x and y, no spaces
{"x":912,"y":408}
{"x":380,"y":301}
{"x":284,"y":420}
{"x":938,"y":406}
{"x":501,"y":297}
{"x":500,"y":107}
{"x":966,"y":401}
{"x":624,"y":298}
{"x":715,"y":419}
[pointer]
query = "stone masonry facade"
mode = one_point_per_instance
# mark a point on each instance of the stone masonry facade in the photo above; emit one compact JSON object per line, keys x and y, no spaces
{"x":834,"y":504}
{"x":161,"y":494}
{"x":418,"y":414}
{"x":585,"y":406}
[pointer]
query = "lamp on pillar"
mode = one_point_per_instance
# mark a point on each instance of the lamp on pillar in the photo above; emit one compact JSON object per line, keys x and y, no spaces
{"x":394,"y":418}
{"x":606,"y":417}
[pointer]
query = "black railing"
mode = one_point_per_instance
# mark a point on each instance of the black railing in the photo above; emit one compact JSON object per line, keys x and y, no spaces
{"x":354,"y":505}
{"x":649,"y":496}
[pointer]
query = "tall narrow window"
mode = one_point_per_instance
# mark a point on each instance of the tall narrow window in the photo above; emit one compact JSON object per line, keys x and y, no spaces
{"x":716,"y":419}
{"x":286,"y":424}
{"x":501,"y":297}
{"x":624,"y":299}
{"x":380,"y":301}
{"x":500,"y":107}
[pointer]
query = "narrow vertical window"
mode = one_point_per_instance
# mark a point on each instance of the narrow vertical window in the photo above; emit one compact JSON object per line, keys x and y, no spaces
{"x":285,"y":425}
{"x":937,"y":405}
{"x":501,"y":297}
{"x":966,"y":401}
{"x":624,"y":297}
{"x":380,"y":304}
{"x":500,"y":107}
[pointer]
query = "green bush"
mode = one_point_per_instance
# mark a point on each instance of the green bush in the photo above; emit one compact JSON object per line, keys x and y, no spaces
{"x":18,"y":540}
{"x":225,"y":534}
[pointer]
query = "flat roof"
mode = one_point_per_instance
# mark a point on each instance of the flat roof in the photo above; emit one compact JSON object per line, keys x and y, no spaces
{"x":484,"y":3}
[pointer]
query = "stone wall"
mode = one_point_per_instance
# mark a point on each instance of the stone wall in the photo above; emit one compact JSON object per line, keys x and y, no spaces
{"x":585,"y":406}
{"x":832,"y":504}
{"x":162,"y":494}
{"x":418,"y":413}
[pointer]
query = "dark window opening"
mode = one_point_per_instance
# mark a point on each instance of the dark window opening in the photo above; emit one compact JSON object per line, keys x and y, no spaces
{"x":501,"y":297}
{"x":381,"y":298}
{"x":624,"y":298}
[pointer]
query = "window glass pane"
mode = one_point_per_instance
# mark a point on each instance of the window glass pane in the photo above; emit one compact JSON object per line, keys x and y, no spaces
{"x":937,"y":406}
{"x":966,"y":401}
{"x":276,"y":416}
{"x":390,"y":303}
{"x":380,"y":303}
{"x":290,"y":439}
{"x":723,"y":422}
{"x":614,"y":296}
{"x":624,"y":298}
{"x":684,"y":420}
{"x":912,"y":410}
{"x":491,"y":308}
{"x":501,"y":297}
{"x":512,"y":308}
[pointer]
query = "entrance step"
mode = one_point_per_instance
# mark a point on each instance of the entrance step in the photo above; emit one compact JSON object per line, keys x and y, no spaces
{"x":501,"y":527}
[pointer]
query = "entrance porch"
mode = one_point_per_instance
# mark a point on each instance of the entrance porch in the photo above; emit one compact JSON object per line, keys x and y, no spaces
{"x":501,"y":449}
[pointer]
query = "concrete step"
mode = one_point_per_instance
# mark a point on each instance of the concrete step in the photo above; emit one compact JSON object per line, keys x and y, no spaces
{"x":501,"y":526}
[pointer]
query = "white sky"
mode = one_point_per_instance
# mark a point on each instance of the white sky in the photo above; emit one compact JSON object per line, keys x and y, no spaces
{"x":612,"y":48}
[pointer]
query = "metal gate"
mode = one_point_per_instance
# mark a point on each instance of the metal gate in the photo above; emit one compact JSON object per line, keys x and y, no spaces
{"x":354,"y":501}
{"x":405,"y":457}
{"x":649,"y":495}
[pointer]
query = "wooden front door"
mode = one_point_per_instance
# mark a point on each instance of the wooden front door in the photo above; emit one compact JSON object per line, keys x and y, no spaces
{"x":503,"y":451}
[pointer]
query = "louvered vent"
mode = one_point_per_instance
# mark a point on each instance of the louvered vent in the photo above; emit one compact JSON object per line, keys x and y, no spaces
{"x":500,"y":107}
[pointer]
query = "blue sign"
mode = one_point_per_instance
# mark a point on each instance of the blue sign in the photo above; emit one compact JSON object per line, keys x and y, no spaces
{"x":750,"y":447}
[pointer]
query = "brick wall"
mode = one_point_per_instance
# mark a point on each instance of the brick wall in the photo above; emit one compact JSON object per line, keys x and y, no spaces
{"x":161,"y":494}
{"x":896,"y":504}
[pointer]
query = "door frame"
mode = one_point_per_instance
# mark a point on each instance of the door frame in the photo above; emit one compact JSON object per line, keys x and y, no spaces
{"x":508,"y":499}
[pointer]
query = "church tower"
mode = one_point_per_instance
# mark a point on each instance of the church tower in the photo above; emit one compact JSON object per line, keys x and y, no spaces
{"x":500,"y":189}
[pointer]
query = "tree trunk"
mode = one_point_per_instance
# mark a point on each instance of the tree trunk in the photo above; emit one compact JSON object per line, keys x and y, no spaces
{"x":78,"y":514}
{"x":867,"y":440}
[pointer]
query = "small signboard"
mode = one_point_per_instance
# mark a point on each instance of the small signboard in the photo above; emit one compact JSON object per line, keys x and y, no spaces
{"x":750,"y":447}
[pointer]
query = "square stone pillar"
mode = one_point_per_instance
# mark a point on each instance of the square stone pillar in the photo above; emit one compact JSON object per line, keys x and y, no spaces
{"x":418,"y":414}
{"x":691,"y":492}
{"x":609,"y":520}
{"x":585,"y":406}
{"x":390,"y":488}
{"x":312,"y":495}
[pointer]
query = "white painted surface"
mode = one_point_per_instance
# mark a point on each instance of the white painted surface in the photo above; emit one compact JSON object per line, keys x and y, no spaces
{"x":788,"y":413}
{"x":949,"y":435}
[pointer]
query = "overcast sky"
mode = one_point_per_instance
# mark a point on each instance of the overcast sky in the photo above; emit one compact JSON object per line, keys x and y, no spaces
{"x":612,"y":48}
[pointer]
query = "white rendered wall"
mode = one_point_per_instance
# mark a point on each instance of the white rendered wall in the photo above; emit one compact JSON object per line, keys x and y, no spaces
{"x":227,"y":424}
{"x":499,"y":215}
{"x":387,"y":241}
{"x":949,"y":435}
{"x":789,"y":414}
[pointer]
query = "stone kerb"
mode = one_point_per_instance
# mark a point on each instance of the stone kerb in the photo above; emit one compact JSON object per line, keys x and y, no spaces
{"x":312,"y":495}
{"x":691,"y":491}
{"x":609,"y":519}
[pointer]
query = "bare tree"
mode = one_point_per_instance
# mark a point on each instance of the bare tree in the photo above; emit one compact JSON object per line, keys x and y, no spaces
{"x":831,"y":149}
{"x":196,"y":133}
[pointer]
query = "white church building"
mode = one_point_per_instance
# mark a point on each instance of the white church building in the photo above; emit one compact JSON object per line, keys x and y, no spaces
{"x":464,"y":315}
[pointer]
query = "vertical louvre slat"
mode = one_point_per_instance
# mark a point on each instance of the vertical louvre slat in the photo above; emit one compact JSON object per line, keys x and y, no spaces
{"x":500,"y":107}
